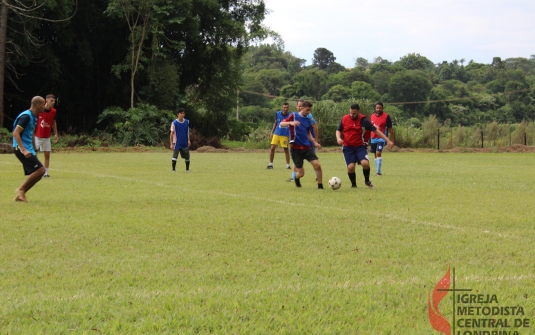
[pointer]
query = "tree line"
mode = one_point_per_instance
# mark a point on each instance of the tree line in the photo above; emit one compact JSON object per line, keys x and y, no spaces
{"x":457,"y":92}
{"x":122,"y":65}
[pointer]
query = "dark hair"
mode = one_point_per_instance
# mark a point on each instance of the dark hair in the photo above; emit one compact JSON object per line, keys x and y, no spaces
{"x":181,"y":110}
{"x":355,"y":106}
{"x":286,"y":104}
{"x":51,"y":96}
{"x":306,"y":104}
{"x":379,"y":103}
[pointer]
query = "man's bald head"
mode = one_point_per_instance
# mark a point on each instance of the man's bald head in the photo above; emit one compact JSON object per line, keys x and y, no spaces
{"x":38,"y":105}
{"x":36,"y":100}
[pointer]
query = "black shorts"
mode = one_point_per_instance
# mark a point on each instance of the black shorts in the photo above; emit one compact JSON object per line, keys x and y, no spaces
{"x":184,"y":153}
{"x":299,"y":156}
{"x":30,"y":164}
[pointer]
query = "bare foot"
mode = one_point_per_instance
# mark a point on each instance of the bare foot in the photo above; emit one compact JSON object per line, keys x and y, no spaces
{"x":21,"y":196}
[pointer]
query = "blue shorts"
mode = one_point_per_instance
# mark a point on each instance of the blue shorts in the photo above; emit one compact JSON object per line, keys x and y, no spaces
{"x":379,"y":146}
{"x":355,"y":154}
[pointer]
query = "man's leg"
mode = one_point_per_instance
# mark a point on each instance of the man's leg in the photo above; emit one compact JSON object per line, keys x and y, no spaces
{"x":47,"y":162}
{"x":366,"y":172}
{"x":352,"y":175}
{"x":319,"y":175}
{"x":378,"y":162}
{"x":28,"y":184}
{"x":287,"y":155}
{"x":272,"y":156}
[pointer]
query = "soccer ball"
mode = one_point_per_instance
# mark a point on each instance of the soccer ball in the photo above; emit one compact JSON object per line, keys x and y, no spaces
{"x":335,"y":183}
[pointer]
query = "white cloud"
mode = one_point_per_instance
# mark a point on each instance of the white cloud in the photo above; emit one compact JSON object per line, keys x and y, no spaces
{"x":445,"y":30}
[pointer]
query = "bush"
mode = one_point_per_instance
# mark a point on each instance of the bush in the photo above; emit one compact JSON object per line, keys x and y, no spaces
{"x":198,"y":140}
{"x":5,"y":136}
{"x":239,"y":130}
{"x":328,"y":134}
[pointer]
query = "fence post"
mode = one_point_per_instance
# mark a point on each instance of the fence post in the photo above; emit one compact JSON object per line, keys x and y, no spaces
{"x":525,"y":139}
{"x":481,"y":138}
{"x":438,"y":139}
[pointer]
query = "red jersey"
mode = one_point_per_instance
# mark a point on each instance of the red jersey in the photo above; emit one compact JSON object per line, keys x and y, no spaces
{"x":382,"y":123}
{"x":45,"y":121}
{"x":356,"y":132}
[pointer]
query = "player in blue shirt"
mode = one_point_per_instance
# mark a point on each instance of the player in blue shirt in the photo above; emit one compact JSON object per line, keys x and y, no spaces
{"x":179,"y":138}
{"x":23,"y":131}
{"x":315,"y":133}
{"x":302,"y":143}
{"x":279,"y":135}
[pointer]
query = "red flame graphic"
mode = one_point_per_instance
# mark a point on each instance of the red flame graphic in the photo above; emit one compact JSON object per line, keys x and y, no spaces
{"x":438,"y":321}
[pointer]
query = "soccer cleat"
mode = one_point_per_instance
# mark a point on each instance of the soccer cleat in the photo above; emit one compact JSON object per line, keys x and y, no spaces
{"x":174,"y":170}
{"x":297,"y":182}
{"x":354,"y":186}
{"x":269,"y":167}
{"x":288,"y":167}
{"x":188,"y":171}
{"x":378,"y":174}
{"x":290,"y":180}
{"x":46,"y":176}
{"x":369,"y":184}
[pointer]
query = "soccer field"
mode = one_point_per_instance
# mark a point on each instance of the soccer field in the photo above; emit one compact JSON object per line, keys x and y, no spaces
{"x":114,"y":243}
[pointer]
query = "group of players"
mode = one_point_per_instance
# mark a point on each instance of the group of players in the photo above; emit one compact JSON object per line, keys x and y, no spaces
{"x":300,"y":131}
{"x":32,"y":130}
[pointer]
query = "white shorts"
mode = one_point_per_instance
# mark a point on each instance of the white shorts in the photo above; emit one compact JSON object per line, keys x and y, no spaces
{"x":43,"y":144}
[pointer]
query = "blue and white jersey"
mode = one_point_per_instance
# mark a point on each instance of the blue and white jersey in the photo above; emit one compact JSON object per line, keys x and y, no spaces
{"x":27,"y":121}
{"x":281,"y":131}
{"x":181,"y":133}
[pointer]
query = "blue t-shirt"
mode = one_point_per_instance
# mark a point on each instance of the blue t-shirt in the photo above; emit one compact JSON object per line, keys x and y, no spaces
{"x":27,"y":121}
{"x":281,"y":131}
{"x":181,"y":134}
{"x":299,"y":134}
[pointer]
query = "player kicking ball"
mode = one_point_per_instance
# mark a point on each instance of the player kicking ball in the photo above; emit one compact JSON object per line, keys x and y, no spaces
{"x":301,"y":142}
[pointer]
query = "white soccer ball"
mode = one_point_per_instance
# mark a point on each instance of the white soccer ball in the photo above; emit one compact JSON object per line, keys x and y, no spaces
{"x":335,"y":183}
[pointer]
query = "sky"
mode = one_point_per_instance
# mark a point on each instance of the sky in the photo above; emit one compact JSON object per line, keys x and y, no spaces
{"x":475,"y":30}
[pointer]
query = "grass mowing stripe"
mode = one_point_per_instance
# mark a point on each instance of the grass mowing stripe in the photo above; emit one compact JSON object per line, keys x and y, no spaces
{"x":248,"y":196}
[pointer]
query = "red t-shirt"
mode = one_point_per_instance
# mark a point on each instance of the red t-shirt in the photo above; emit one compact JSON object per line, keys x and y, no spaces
{"x":357,"y":131}
{"x":45,"y":121}
{"x":382,"y":123}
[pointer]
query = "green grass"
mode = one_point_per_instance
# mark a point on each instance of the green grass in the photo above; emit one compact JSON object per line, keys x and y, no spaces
{"x":114,"y":243}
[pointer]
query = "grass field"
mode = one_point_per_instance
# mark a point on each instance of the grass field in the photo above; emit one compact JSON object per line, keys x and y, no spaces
{"x":114,"y":243}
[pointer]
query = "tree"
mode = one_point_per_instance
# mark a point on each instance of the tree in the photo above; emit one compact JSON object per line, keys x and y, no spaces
{"x":145,"y":18}
{"x":415,"y":61}
{"x":337,"y":93}
{"x":311,"y":82}
{"x":362,"y":62}
{"x":410,"y":86}
{"x":20,"y":46}
{"x":323,"y":58}
{"x":362,"y":90}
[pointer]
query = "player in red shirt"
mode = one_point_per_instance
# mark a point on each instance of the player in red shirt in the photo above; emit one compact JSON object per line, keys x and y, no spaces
{"x":45,"y":123}
{"x":383,"y":122}
{"x":354,"y":126}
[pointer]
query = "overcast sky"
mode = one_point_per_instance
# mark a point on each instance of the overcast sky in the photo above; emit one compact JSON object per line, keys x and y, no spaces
{"x":439,"y":30}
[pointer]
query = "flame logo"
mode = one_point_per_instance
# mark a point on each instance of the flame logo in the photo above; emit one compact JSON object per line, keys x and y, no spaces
{"x":438,"y":321}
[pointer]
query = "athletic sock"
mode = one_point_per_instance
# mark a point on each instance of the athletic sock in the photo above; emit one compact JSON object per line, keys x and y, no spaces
{"x":270,"y":164}
{"x":353,"y":178}
{"x":46,"y":170}
{"x":187,"y":165}
{"x":173,"y":163}
{"x":293,"y":175}
{"x":366,"y":174}
{"x":379,"y":164}
{"x":287,"y":166}
{"x":377,"y":169}
{"x":320,"y":186}
{"x":297,"y":182}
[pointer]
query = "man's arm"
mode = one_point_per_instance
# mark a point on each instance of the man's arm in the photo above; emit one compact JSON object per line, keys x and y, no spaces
{"x":55,"y":127}
{"x":391,"y":132}
{"x":273,"y":128}
{"x":316,"y":131}
{"x":172,"y":136}
{"x":313,"y":140}
{"x":17,"y":136}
